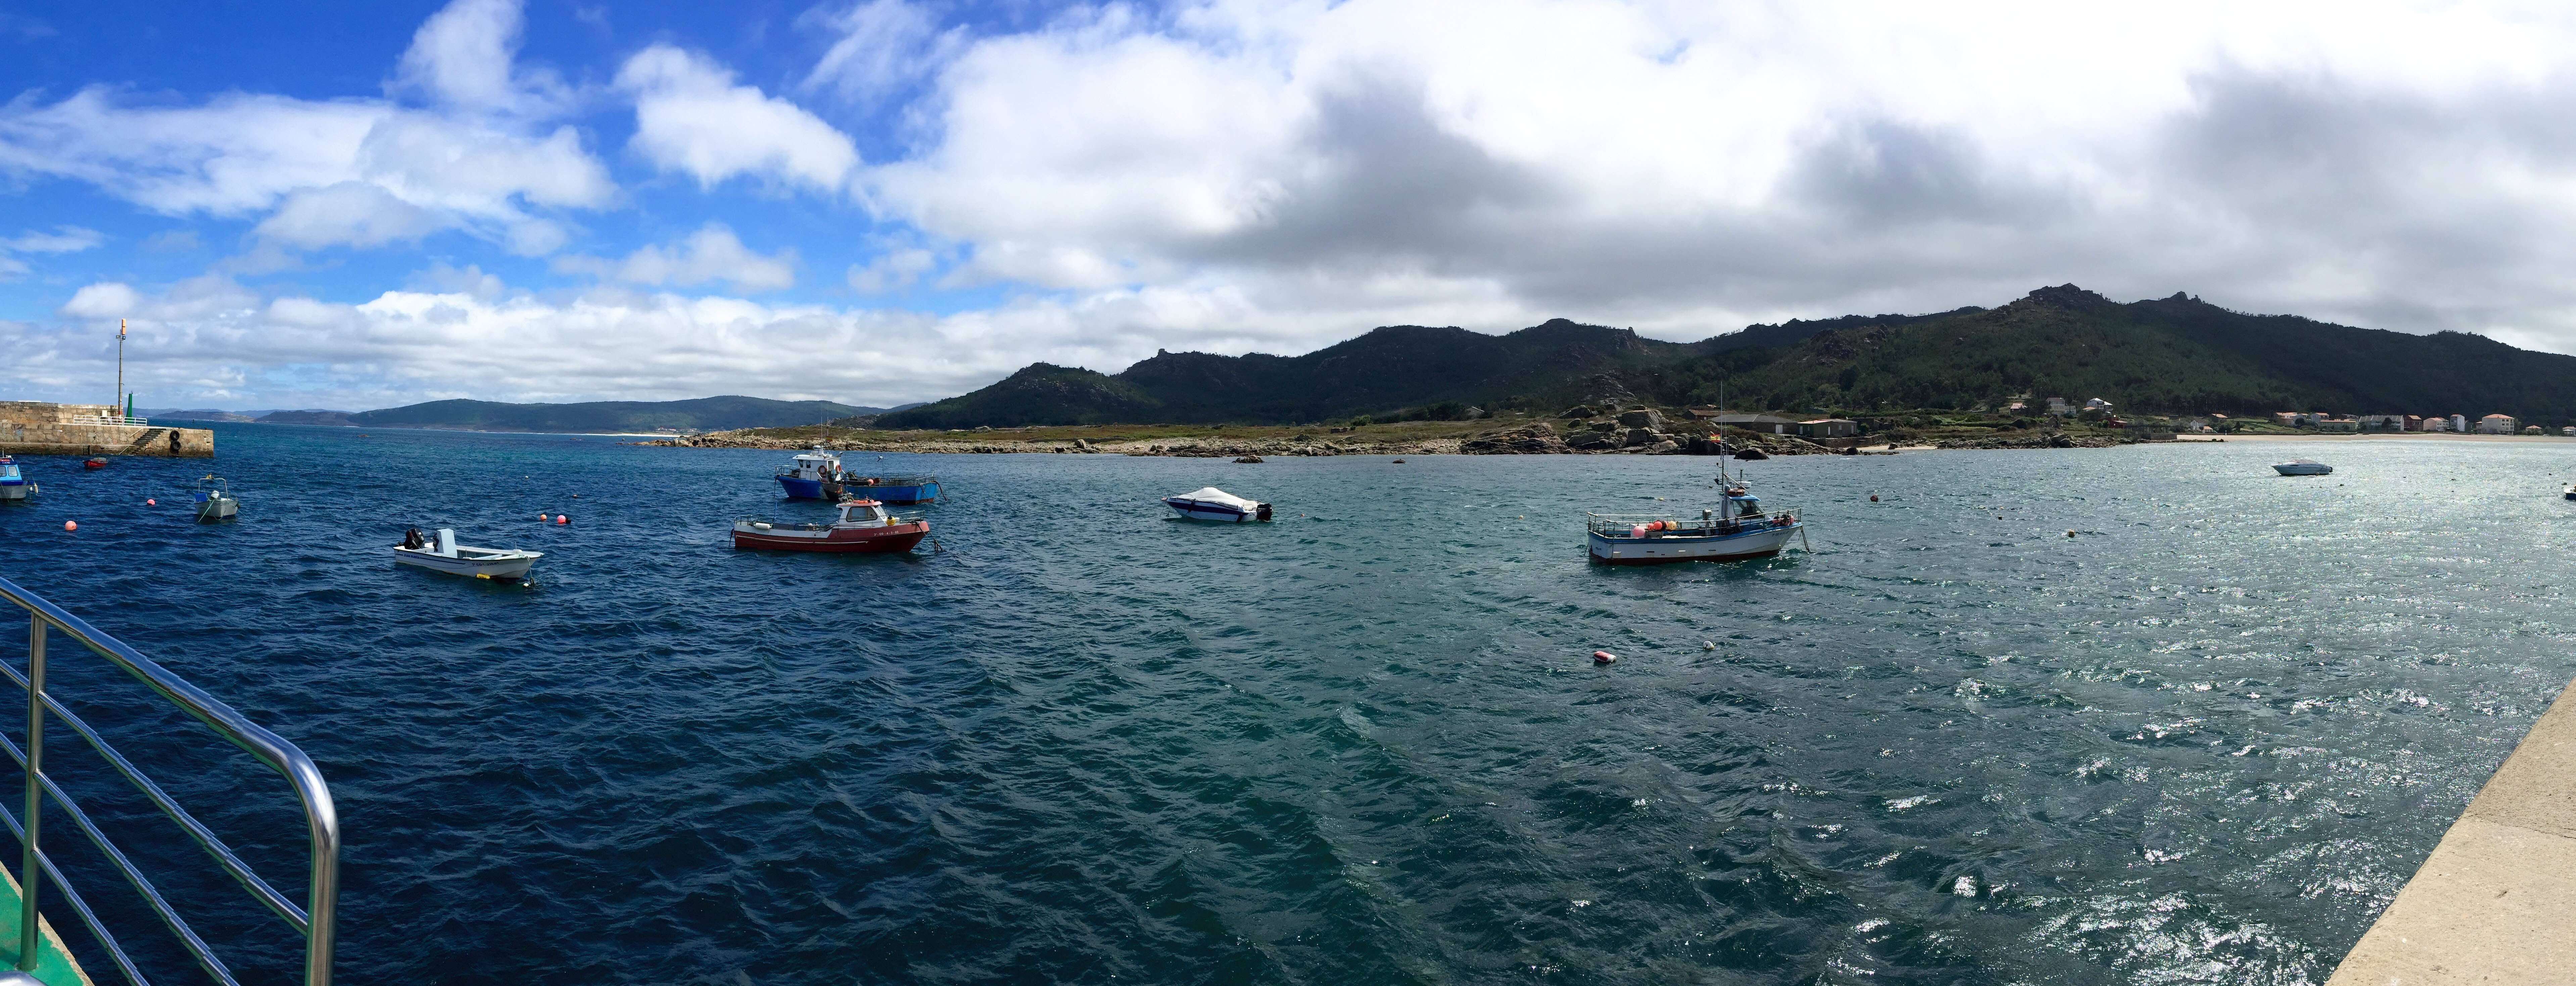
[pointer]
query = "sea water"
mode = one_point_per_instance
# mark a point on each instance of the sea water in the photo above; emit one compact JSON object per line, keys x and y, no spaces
{"x":2203,"y":739}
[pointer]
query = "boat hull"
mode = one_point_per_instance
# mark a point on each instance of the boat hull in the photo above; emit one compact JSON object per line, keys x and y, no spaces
{"x":801,"y":489}
{"x":843,"y":540}
{"x":215,"y":510}
{"x":1761,"y":542}
{"x":21,"y":491}
{"x":499,"y":569}
{"x":922,"y":493}
{"x":2288,"y":469}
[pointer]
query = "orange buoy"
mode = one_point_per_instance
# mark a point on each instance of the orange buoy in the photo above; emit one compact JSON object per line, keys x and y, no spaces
{"x":150,"y":502}
{"x":1603,"y":657}
{"x":69,"y":526}
{"x":542,"y":517}
{"x":561,"y":519}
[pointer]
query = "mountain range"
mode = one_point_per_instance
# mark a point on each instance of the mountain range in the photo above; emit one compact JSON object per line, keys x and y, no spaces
{"x":2173,"y":354}
{"x":702,"y":414}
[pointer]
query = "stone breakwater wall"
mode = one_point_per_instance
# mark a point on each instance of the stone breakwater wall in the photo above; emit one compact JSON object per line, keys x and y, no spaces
{"x":53,"y":438}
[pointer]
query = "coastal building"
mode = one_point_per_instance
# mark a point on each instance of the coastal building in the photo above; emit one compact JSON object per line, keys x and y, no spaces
{"x":2459,"y":422}
{"x":1828,"y":428}
{"x":1702,"y":412}
{"x":2383,"y":422}
{"x":2058,"y":406}
{"x":2531,"y":429}
{"x":2414,"y":422}
{"x":1771,"y":423}
{"x":2436,"y":423}
{"x":2496,"y":424}
{"x":2569,"y":431}
{"x":2324,"y":423}
{"x":2098,"y":404}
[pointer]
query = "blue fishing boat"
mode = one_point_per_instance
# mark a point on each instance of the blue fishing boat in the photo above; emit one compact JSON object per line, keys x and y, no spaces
{"x":12,"y":485}
{"x":805,"y":478}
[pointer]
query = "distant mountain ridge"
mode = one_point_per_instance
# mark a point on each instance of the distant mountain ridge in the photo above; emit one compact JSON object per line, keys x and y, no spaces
{"x":701,"y":414}
{"x":2171,"y":354}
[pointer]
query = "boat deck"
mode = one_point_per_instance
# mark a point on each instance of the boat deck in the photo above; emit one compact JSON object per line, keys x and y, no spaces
{"x":55,"y":966}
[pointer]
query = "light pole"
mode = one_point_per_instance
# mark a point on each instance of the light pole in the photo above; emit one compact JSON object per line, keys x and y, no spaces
{"x":120,"y":368}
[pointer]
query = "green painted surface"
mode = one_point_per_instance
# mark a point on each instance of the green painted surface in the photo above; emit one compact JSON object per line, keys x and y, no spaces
{"x":53,"y":965}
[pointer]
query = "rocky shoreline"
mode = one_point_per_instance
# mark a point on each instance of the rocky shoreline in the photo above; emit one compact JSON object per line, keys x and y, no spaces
{"x":1536,"y":438}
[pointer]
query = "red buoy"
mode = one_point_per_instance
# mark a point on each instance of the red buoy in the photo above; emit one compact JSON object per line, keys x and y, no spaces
{"x":69,"y":526}
{"x":561,"y":519}
{"x":1873,"y":498}
{"x":1603,"y":657}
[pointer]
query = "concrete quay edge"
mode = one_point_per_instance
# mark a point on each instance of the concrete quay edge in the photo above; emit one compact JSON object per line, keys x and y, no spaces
{"x":2495,"y":904}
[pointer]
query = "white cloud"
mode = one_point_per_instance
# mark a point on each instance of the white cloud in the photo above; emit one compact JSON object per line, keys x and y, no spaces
{"x":1690,"y":167}
{"x":712,"y":253}
{"x":106,"y":299}
{"x":463,"y":56}
{"x":893,"y":270}
{"x":882,"y":46}
{"x":242,"y":154}
{"x":691,"y":117}
{"x":65,"y":239}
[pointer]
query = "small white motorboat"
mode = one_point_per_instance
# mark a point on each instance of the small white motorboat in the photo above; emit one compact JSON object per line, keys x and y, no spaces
{"x":1210,"y":503}
{"x":2301,"y":467}
{"x":443,"y":554}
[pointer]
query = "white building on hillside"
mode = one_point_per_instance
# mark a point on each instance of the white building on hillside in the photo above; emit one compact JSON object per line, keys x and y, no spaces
{"x":2435,"y":422}
{"x":2459,"y":422}
{"x":2496,"y":424}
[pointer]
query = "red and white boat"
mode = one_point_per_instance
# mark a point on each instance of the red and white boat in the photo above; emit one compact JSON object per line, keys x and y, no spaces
{"x":863,"y":526}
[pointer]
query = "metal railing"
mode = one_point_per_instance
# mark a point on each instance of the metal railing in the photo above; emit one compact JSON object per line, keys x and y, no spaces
{"x":321,"y":819}
{"x":112,"y":419}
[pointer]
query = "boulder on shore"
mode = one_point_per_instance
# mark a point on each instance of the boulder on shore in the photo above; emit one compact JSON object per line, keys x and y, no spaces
{"x":1529,"y":439}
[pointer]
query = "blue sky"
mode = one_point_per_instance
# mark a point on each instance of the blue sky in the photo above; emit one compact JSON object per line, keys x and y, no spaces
{"x":352,"y":206}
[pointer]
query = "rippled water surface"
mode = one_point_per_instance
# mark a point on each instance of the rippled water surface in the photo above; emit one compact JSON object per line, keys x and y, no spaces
{"x":2203,"y":740}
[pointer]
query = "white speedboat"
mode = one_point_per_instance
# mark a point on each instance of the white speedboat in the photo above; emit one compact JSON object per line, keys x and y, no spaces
{"x":1210,"y":503}
{"x":443,"y":554}
{"x":2301,"y":467}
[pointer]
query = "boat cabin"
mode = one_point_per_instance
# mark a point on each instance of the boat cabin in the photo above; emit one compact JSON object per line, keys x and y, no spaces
{"x":816,"y":465}
{"x":9,"y":471}
{"x":863,"y":513}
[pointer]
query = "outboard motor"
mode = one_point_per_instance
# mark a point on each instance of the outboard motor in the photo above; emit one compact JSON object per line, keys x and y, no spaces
{"x":1263,"y":513}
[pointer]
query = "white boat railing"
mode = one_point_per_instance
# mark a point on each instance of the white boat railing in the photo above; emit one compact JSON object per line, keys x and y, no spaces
{"x":1625,"y":525}
{"x":112,"y":419}
{"x":321,"y":818}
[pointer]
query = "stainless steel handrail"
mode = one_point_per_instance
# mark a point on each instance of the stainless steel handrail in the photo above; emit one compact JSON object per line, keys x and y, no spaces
{"x":321,"y":818}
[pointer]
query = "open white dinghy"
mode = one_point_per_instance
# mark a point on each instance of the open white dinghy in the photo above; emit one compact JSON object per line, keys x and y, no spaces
{"x":1210,"y":503}
{"x":443,"y":554}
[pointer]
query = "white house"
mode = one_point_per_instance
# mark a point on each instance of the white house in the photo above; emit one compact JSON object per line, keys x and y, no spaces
{"x":2496,"y":424}
{"x":2460,"y":422}
{"x":2435,"y":422}
{"x":2098,"y":404}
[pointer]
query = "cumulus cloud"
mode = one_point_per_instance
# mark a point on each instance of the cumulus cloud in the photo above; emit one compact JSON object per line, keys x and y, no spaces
{"x":691,"y":117}
{"x":1689,"y":167}
{"x":712,"y":253}
{"x":892,"y":270}
{"x":355,"y":172}
{"x":106,"y":299}
{"x":464,"y":56}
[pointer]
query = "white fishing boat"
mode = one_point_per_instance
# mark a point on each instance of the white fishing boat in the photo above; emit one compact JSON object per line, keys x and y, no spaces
{"x":443,"y":554}
{"x":2302,"y":467}
{"x":1737,"y":529}
{"x":1210,"y":503}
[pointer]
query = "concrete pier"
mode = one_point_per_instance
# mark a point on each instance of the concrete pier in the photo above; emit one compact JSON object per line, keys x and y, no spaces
{"x":37,"y":428}
{"x":2496,"y":902}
